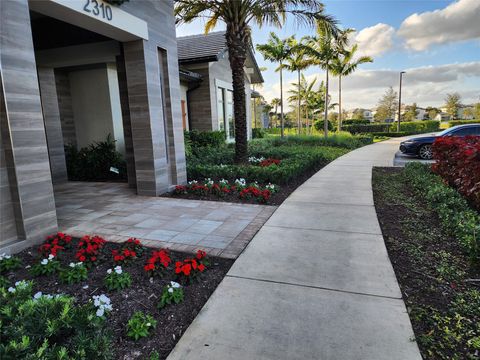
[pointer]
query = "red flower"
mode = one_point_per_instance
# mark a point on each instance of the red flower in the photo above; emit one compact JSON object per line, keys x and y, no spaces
{"x":201,"y":267}
{"x":82,"y":258}
{"x":201,"y":254}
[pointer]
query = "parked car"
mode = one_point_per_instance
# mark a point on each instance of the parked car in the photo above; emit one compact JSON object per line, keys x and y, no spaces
{"x":422,"y":146}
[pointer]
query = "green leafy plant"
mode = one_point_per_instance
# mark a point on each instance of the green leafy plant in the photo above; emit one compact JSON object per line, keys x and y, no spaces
{"x":140,"y":325}
{"x":456,"y":216}
{"x":75,"y":273}
{"x":117,"y":279}
{"x":154,"y":355}
{"x":46,"y":266}
{"x":172,"y":294}
{"x":95,"y":162}
{"x":9,"y":263}
{"x":44,"y":326}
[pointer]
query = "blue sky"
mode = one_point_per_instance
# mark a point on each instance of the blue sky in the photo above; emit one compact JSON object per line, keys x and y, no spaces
{"x":436,"y":41}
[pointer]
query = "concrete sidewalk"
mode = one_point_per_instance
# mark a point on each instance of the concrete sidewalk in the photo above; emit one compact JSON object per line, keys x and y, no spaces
{"x":315,"y":282}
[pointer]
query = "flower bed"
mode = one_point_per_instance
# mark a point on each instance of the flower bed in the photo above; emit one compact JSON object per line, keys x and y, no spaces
{"x":457,"y":160}
{"x":223,"y":188}
{"x":106,"y":308}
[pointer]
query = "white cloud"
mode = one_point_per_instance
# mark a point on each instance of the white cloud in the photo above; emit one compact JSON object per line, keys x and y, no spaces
{"x":457,"y":22}
{"x":375,"y":40}
{"x":427,"y":86}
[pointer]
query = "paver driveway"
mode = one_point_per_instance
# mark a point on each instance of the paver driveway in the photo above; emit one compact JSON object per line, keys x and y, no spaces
{"x":314,"y":283}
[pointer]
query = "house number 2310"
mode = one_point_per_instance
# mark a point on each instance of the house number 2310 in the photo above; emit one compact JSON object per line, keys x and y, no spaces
{"x":92,"y":6}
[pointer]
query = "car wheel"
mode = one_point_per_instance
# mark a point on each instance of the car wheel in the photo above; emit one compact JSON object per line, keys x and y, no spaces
{"x":425,"y":152}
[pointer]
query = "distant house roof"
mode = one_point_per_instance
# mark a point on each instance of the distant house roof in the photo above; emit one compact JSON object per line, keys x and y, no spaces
{"x":211,"y":47}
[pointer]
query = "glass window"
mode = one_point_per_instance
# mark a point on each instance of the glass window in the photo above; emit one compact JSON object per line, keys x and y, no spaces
{"x":466,"y":131}
{"x":229,"y":114}
{"x":220,"y":109}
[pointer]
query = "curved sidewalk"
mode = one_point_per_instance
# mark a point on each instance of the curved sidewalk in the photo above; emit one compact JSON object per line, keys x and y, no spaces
{"x":315,"y":282}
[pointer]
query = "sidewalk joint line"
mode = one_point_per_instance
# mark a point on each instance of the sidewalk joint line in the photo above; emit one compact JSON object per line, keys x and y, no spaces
{"x":324,"y":203}
{"x":311,"y":229}
{"x":315,"y":287}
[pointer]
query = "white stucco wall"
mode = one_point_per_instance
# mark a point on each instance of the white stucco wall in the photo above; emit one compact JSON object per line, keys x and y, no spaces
{"x":96,"y":106}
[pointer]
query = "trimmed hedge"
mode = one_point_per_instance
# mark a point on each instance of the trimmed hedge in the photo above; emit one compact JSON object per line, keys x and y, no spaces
{"x":390,"y":134}
{"x":205,"y":138}
{"x":409,"y":128}
{"x":320,"y":124}
{"x":456,"y":217}
{"x":344,"y":139}
{"x":462,"y":122}
{"x":355,"y":122}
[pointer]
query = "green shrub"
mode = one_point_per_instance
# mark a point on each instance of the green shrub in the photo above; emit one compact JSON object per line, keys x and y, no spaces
{"x":320,"y":124}
{"x":8,"y":263}
{"x":213,"y":139}
{"x":171,"y":294}
{"x":340,"y":139}
{"x":457,"y":218}
{"x":258,"y":133}
{"x":390,"y":134}
{"x":418,"y":127}
{"x":50,"y":327}
{"x":117,"y":279}
{"x":462,"y":122}
{"x":355,"y":122}
{"x":367,"y":128}
{"x":95,"y":162}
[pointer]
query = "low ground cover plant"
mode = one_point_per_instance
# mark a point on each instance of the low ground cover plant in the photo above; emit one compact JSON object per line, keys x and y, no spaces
{"x":406,"y":127}
{"x":8,"y":263}
{"x":140,"y":325}
{"x":117,"y":279}
{"x":89,"y":249}
{"x":63,"y":314}
{"x":43,"y":326}
{"x":438,"y":280}
{"x":74,"y":273}
{"x":457,"y":160}
{"x":455,"y":214}
{"x":54,"y":244}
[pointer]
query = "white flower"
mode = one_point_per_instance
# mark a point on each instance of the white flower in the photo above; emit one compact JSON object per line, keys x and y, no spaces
{"x":44,"y":262}
{"x":72,"y":264}
{"x":85,"y":287}
{"x":38,"y":295}
{"x":50,"y":257}
{"x":11,"y":289}
{"x":148,"y":324}
{"x":100,"y":312}
{"x":118,"y":270}
{"x":170,"y":290}
{"x":108,"y":307}
{"x":109,"y":271}
{"x":105,"y":299}
{"x":96,"y":303}
{"x":174,"y":284}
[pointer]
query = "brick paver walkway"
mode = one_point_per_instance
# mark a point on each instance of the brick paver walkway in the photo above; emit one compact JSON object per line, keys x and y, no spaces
{"x":114,"y":211}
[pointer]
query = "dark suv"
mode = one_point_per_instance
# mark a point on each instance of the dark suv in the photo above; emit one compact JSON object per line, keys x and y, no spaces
{"x":422,"y":146}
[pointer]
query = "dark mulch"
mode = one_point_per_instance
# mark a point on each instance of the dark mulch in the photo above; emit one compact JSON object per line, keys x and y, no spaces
{"x":276,"y":199}
{"x":428,"y":281}
{"x":143,"y":295}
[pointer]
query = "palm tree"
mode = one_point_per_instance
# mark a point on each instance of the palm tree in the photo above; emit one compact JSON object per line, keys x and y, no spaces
{"x":275,"y":103}
{"x":297,"y":61}
{"x":344,"y":65}
{"x":277,"y":50}
{"x":323,"y":48}
{"x":238,"y":15}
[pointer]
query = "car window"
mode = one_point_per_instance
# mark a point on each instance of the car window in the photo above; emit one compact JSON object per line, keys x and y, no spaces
{"x":473,"y":130}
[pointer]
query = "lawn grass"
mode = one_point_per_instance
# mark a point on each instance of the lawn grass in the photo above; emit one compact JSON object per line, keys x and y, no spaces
{"x":439,"y":282}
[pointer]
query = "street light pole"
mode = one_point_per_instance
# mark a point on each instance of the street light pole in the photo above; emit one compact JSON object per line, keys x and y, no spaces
{"x":400,"y":102}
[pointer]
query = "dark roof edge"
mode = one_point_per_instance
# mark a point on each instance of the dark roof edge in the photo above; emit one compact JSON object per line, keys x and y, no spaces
{"x":197,"y":60}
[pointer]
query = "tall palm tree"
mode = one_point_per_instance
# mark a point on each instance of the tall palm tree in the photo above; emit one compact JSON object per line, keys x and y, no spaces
{"x":323,"y":48}
{"x":275,"y":103}
{"x":277,"y":50}
{"x":297,"y":61}
{"x":344,"y":65}
{"x":238,"y":15}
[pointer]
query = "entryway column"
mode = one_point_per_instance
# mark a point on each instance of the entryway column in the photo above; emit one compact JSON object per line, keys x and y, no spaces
{"x":147,"y":122}
{"x":31,"y":181}
{"x":53,"y":125}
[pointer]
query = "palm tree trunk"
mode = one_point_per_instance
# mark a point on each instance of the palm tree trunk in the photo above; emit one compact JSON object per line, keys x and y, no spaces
{"x":340,"y":102}
{"x":281,"y":101}
{"x":325,"y":121}
{"x":299,"y":99}
{"x":237,"y":55}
